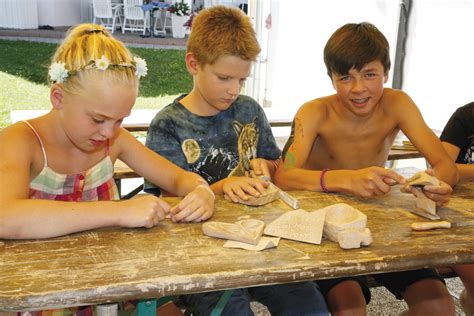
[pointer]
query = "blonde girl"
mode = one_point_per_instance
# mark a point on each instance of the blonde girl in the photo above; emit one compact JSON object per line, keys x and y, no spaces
{"x":51,"y":165}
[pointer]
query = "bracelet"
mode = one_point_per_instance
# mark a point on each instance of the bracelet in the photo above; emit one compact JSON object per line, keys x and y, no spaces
{"x":321,"y":180}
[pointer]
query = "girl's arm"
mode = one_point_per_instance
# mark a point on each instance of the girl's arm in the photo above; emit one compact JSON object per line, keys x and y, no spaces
{"x":21,"y":217}
{"x":198,"y":202}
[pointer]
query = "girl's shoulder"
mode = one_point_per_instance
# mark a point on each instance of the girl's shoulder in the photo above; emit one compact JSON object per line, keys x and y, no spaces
{"x":19,"y":143}
{"x":16,"y":134}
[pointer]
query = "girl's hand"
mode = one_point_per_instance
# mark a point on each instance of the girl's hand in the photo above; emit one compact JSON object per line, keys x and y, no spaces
{"x":260,"y":167}
{"x":241,"y":187}
{"x":197,"y":206}
{"x":144,"y":211}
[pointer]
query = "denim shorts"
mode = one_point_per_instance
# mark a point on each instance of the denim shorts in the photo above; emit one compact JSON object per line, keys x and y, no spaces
{"x":303,"y":298}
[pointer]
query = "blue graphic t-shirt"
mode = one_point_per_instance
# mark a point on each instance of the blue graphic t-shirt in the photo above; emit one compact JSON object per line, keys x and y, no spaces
{"x":214,"y":147}
{"x":459,"y":131}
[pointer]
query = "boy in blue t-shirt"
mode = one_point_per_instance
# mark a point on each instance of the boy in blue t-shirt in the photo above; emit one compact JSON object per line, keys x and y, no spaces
{"x":222,"y":136}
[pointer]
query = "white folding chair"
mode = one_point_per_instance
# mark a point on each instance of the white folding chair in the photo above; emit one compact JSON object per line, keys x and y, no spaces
{"x":135,"y":19}
{"x":106,"y":13}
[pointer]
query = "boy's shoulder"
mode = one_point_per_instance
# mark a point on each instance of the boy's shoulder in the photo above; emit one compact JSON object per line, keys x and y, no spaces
{"x":246,"y":101}
{"x":318,"y":108}
{"x":392,"y":96}
{"x":244,"y":107}
{"x":172,"y":110}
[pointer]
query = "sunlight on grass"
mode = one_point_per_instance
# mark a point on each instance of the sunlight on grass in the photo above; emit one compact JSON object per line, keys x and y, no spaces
{"x":20,"y":94}
{"x":24,"y":67}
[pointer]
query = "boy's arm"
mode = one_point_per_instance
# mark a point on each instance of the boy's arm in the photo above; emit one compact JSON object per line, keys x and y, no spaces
{"x":422,"y":137}
{"x":466,"y":171}
{"x":292,"y":175}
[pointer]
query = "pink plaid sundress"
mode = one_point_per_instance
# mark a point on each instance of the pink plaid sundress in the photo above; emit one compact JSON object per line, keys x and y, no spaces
{"x":94,"y":184}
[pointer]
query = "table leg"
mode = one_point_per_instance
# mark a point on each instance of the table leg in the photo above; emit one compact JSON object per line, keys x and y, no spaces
{"x":152,"y":22}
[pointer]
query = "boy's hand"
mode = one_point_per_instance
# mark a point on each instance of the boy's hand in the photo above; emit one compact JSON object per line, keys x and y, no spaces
{"x":440,"y":194}
{"x":373,"y":181}
{"x":197,"y":206}
{"x":260,"y":167}
{"x":144,"y":211}
{"x":241,"y":187}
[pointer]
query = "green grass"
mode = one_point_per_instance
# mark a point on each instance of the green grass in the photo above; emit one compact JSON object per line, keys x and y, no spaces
{"x":24,"y":67}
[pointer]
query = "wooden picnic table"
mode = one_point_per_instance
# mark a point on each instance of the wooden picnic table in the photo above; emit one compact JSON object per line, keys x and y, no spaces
{"x":116,"y":264}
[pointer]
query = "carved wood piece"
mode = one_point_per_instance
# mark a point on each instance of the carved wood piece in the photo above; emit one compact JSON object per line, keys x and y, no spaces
{"x":421,"y":226}
{"x":346,"y":226}
{"x":421,"y":179}
{"x":247,"y":231}
{"x":423,"y":203}
{"x":264,"y":243}
{"x":271,"y":194}
{"x":298,"y":225}
{"x":354,"y":238}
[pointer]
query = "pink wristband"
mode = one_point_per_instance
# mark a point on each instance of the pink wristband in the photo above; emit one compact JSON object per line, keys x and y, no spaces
{"x":321,"y":180}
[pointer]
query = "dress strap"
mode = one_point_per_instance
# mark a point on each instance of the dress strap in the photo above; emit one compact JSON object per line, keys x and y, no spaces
{"x":40,"y":141}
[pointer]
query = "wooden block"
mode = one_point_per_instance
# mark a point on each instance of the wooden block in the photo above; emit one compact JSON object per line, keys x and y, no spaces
{"x":298,"y":225}
{"x":421,"y":179}
{"x":271,"y":194}
{"x":247,"y":231}
{"x":423,"y":203}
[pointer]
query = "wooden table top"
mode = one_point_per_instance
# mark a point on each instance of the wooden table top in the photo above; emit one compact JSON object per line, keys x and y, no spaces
{"x":116,"y":264}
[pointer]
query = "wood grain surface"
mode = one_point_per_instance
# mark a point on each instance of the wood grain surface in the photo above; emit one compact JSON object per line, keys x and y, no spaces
{"x":116,"y":264}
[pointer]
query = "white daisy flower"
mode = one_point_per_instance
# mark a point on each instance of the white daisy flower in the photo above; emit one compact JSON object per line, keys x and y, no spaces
{"x":58,"y":73}
{"x":102,"y":63}
{"x":141,"y":67}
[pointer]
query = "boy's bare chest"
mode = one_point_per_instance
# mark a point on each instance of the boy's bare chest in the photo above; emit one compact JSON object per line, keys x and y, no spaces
{"x":354,"y":147}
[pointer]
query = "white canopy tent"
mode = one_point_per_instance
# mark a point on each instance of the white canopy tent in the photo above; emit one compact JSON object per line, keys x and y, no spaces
{"x":436,"y":69}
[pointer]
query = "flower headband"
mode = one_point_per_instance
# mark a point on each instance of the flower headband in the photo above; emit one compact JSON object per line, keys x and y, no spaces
{"x":58,"y":72}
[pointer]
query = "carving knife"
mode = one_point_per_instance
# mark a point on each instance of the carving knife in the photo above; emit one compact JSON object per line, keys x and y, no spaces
{"x":285,"y":197}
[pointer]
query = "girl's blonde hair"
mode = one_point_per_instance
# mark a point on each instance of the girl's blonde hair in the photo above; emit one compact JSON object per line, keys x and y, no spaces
{"x":85,"y":43}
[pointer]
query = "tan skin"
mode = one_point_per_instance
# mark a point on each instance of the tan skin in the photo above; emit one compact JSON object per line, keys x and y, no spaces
{"x":466,"y":172}
{"x":351,"y":133}
{"x":216,"y":86}
{"x":74,"y":133}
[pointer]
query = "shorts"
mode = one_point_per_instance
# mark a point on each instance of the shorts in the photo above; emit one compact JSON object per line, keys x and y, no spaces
{"x":303,"y":298}
{"x":328,"y":284}
{"x":397,"y":282}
